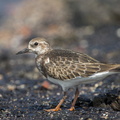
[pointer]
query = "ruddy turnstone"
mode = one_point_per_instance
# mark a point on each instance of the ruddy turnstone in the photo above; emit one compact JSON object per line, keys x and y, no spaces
{"x":67,"y":68}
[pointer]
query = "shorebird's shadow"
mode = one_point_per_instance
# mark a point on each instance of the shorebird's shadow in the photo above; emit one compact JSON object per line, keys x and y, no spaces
{"x":111,"y":99}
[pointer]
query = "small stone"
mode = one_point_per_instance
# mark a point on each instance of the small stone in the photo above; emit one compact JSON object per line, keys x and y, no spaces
{"x":58,"y":93}
{"x":89,"y":119}
{"x":46,"y":85}
{"x":11,"y":87}
{"x":118,"y":32}
{"x":1,"y":76}
{"x":1,"y":96}
{"x":21,"y":86}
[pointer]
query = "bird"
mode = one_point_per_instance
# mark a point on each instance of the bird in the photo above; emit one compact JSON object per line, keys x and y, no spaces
{"x":67,"y":68}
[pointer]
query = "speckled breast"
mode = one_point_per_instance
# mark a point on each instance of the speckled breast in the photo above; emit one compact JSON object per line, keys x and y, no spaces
{"x":39,"y":65}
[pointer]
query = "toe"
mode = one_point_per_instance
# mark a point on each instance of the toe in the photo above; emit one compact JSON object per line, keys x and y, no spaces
{"x":71,"y":109}
{"x":51,"y":110}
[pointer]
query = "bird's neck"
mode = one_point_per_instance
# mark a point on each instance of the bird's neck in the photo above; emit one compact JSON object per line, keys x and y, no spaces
{"x":40,"y":56}
{"x":42,"y":51}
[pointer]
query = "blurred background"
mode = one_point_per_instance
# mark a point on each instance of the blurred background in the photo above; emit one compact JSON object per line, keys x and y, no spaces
{"x":92,"y":27}
{"x":88,"y":26}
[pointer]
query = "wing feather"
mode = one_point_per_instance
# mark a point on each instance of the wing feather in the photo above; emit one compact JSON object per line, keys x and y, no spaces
{"x":65,"y":65}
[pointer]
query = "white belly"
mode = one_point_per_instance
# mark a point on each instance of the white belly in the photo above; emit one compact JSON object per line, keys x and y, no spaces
{"x":66,"y":84}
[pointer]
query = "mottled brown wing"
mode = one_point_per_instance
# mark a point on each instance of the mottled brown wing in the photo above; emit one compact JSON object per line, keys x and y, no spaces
{"x":70,"y":54}
{"x":69,"y":69}
{"x":65,"y":65}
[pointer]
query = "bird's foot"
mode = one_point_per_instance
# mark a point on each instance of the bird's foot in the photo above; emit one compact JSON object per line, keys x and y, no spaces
{"x":51,"y":110}
{"x":72,"y":109}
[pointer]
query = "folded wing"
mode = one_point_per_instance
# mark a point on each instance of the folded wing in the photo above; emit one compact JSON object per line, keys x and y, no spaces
{"x":65,"y":65}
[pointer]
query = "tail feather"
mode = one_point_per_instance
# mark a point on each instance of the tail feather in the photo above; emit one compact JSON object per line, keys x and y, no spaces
{"x":116,"y":68}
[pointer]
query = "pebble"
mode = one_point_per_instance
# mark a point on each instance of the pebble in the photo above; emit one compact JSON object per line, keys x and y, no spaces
{"x":11,"y":87}
{"x":1,"y":96}
{"x":118,"y":32}
{"x":1,"y":76}
{"x":21,"y":86}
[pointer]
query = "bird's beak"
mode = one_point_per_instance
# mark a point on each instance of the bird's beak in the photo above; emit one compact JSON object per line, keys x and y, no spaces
{"x":26,"y":50}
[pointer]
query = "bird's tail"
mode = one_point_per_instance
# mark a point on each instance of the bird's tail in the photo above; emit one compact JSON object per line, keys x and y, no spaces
{"x":116,"y":68}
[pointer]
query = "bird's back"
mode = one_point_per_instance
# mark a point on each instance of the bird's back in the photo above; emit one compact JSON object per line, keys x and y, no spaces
{"x":64,"y":65}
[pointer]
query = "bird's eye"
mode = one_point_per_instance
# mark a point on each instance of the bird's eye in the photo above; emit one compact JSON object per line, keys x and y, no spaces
{"x":36,"y":43}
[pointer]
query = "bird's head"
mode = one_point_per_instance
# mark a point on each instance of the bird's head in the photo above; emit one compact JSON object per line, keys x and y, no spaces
{"x":37,"y":46}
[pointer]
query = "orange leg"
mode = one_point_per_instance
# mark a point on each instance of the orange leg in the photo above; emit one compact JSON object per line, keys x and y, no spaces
{"x":75,"y":99}
{"x":57,"y":108}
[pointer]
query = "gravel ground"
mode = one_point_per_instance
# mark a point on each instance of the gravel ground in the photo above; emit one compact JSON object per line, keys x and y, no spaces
{"x":23,"y":96}
{"x":90,"y":27}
